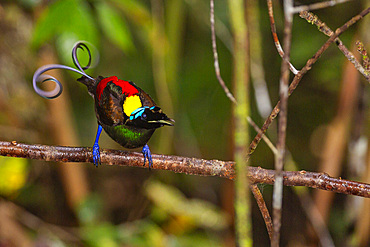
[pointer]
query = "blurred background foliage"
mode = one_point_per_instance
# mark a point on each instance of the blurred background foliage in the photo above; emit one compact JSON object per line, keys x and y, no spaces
{"x":165,"y":48}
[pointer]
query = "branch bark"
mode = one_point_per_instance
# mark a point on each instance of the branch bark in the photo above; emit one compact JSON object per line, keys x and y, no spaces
{"x":186,"y":165}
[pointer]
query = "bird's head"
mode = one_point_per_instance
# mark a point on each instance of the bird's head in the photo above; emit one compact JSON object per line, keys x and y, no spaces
{"x":149,"y":118}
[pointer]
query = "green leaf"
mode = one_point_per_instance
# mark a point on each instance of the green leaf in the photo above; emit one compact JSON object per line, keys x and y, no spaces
{"x":89,"y":211}
{"x":115,"y":27}
{"x":194,"y":211}
{"x":139,"y":15}
{"x":67,"y":21}
{"x":142,"y":233}
{"x":135,"y":11}
{"x":104,"y":234}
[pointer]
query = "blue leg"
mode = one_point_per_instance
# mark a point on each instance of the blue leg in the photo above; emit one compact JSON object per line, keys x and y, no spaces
{"x":147,"y":154}
{"x":96,"y":151}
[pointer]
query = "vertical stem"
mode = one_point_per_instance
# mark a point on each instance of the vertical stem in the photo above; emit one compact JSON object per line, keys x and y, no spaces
{"x":241,"y":111}
{"x":175,"y":15}
{"x":174,"y":23}
{"x":257,"y":70}
{"x":282,"y":123}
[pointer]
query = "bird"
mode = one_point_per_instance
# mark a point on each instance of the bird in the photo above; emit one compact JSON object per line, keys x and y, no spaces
{"x":125,"y":112}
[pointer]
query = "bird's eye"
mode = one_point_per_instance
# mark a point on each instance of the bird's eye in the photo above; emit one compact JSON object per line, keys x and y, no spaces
{"x":143,"y":115}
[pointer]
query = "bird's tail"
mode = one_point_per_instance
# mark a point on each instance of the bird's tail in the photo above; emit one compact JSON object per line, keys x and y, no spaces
{"x":40,"y":77}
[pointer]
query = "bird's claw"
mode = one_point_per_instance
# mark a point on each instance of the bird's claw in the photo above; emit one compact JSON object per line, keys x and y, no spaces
{"x":96,"y":154}
{"x":147,"y":155}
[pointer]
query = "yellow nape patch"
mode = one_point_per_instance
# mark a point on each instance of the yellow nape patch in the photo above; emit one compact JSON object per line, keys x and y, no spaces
{"x":131,"y":104}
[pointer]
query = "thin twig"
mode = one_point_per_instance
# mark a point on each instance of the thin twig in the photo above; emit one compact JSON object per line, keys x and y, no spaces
{"x":275,"y":37}
{"x":277,"y":201}
{"x":316,"y":220}
{"x":186,"y":165}
{"x":319,"y":5}
{"x":264,"y":137}
{"x":300,"y":75}
{"x":314,"y":19}
{"x":219,"y":77}
{"x":307,"y":204}
{"x":256,"y":193}
{"x":215,"y":55}
{"x":263,"y":208}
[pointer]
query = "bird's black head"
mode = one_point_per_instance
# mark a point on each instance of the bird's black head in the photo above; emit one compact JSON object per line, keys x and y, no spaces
{"x":149,"y":118}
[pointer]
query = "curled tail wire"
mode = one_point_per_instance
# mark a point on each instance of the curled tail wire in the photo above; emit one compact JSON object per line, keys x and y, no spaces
{"x":39,"y":76}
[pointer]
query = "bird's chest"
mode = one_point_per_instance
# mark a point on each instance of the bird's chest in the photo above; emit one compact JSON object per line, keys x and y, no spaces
{"x":129,"y":136}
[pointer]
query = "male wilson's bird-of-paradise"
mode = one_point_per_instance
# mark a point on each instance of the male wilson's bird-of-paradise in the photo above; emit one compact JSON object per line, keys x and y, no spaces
{"x":126,"y":113}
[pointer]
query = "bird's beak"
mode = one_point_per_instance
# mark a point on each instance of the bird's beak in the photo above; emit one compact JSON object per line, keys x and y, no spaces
{"x":169,"y":121}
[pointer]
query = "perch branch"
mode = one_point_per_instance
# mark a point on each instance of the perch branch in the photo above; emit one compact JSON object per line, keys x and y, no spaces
{"x":186,"y":165}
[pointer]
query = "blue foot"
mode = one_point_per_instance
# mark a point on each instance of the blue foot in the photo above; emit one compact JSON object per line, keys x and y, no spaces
{"x":96,"y":154}
{"x":96,"y":149}
{"x":147,"y":154}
